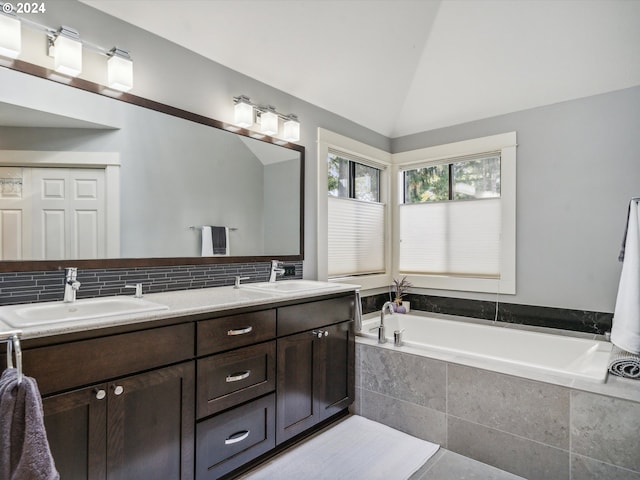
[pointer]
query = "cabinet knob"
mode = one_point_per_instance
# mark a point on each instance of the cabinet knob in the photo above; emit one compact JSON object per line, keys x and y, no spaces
{"x":100,"y":393}
{"x":320,"y":333}
{"x":118,"y":389}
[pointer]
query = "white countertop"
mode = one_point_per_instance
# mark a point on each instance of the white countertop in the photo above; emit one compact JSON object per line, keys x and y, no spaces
{"x":182,"y":303}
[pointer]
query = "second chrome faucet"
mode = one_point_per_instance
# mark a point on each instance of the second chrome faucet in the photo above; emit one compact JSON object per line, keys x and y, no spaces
{"x":71,"y":284}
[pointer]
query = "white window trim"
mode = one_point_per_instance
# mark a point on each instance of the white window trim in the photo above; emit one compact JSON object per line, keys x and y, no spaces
{"x":326,"y":140}
{"x":504,"y":143}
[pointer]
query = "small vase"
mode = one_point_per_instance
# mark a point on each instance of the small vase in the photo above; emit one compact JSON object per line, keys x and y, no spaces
{"x":402,"y":307}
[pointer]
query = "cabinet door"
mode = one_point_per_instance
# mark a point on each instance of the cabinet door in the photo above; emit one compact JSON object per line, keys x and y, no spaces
{"x":151,"y":425}
{"x":297,"y":399}
{"x":336,"y":370}
{"x":75,"y":424}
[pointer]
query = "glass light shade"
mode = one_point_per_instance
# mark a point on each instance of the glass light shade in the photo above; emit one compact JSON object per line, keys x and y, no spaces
{"x":269,"y":122}
{"x":120,"y":73}
{"x":67,"y":56}
{"x":291,"y":130}
{"x":10,"y":36}
{"x":243,"y":115}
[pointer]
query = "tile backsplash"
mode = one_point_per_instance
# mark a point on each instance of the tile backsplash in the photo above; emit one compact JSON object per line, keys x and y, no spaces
{"x":561,"y":318}
{"x":43,"y":286}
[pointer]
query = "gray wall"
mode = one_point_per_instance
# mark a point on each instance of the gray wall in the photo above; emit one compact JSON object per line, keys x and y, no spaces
{"x":578,"y":165}
{"x":281,"y":199}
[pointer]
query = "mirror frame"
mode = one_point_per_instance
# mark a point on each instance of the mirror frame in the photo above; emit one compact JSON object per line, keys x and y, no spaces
{"x":36,"y":265}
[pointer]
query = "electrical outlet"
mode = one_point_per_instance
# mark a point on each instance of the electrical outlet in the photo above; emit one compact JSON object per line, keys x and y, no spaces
{"x":289,"y":271}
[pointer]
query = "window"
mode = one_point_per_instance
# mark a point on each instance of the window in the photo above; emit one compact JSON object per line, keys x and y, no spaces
{"x":461,"y":180}
{"x":355,"y":216}
{"x":456,"y":215}
{"x":353,"y":195}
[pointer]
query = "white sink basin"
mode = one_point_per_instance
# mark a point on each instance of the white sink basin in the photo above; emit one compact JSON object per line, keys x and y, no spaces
{"x":289,"y":286}
{"x":35,"y":314}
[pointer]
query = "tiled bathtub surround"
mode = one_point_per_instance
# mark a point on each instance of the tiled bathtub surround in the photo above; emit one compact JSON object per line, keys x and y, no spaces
{"x":562,"y":318}
{"x":534,"y":429}
{"x":42,"y":286}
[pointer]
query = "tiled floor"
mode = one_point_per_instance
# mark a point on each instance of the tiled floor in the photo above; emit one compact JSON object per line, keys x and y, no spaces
{"x":446,"y":465}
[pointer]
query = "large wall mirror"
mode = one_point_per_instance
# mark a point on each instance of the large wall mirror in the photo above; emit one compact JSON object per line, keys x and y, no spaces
{"x":105,"y":182}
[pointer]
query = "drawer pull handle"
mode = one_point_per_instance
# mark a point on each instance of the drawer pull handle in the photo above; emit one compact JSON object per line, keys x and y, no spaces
{"x":236,"y":377}
{"x":240,"y":331}
{"x":237,"y":437}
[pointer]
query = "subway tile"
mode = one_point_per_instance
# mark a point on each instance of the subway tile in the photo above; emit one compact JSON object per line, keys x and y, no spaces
{"x":527,"y":458}
{"x":606,"y":429}
{"x":416,"y":420}
{"x":584,"y":468}
{"x":404,"y":376}
{"x":535,"y":410}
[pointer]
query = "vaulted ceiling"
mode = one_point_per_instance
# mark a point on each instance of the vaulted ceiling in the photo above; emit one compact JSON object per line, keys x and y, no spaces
{"x":405,"y":66}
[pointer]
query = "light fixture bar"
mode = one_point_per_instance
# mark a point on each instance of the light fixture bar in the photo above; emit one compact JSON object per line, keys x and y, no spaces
{"x":65,"y":46}
{"x":246,"y":113}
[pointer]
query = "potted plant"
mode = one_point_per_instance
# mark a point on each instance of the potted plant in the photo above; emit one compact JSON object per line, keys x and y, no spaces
{"x":400,"y":287}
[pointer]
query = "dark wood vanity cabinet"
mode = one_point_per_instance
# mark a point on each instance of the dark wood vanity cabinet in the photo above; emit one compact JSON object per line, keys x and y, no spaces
{"x":198,"y":399}
{"x":139,"y":425}
{"x":136,"y":427}
{"x":316,"y":366}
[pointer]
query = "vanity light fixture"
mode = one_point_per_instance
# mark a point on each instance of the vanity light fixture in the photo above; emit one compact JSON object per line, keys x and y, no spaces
{"x":246,"y":113}
{"x":66,"y":48}
{"x":243,"y":111}
{"x":269,"y":121}
{"x":291,"y":128}
{"x":119,"y":70}
{"x":10,"y":34}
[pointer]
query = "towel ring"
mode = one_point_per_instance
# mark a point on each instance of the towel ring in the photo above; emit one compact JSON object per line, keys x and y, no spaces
{"x":13,"y":344}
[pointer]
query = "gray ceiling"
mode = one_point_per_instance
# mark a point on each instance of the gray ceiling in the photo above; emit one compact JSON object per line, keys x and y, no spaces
{"x":405,"y":66}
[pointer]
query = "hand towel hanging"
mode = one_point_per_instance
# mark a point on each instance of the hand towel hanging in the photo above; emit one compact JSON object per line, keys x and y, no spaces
{"x":215,"y":241}
{"x":625,"y":332}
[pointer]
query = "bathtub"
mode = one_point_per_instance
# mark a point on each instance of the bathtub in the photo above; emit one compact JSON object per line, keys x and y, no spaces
{"x":487,"y":345}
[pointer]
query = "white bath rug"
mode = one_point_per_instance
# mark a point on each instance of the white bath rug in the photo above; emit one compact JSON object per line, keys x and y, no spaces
{"x":354,"y":449}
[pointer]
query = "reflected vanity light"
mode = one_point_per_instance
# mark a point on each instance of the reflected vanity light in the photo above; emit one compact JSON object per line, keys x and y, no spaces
{"x":246,"y":114}
{"x":10,"y":35}
{"x":119,"y":70}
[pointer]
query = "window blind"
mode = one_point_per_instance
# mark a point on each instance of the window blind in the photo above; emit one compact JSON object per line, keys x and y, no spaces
{"x":451,"y":238}
{"x":356,"y":237}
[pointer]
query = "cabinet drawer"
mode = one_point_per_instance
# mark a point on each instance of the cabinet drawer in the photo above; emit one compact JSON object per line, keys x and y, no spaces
{"x":225,"y":333}
{"x":70,"y":365}
{"x":298,"y":318}
{"x":231,"y":439}
{"x":227,"y":379}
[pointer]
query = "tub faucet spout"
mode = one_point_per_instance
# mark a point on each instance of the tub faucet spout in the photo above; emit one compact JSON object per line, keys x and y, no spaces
{"x":382,"y":338}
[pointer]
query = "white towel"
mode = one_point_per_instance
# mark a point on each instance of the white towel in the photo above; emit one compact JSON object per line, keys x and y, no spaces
{"x":626,"y":317}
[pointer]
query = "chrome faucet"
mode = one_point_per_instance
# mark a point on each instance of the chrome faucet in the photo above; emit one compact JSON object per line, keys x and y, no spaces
{"x":276,"y":269}
{"x":71,"y":285}
{"x":382,"y":338}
